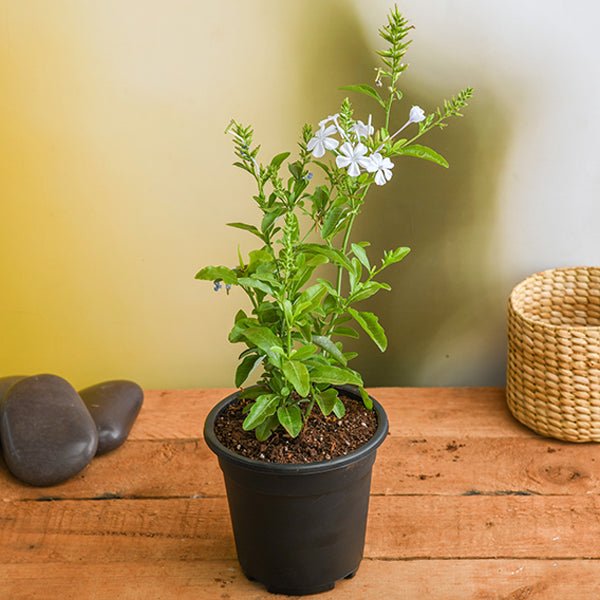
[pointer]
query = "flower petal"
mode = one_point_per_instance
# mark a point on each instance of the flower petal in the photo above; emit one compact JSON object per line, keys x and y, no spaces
{"x":380,"y":178}
{"x":416,"y":114}
{"x":342,"y":161}
{"x":367,"y":164}
{"x":360,"y":150}
{"x":376,"y":160}
{"x":330,"y":143}
{"x":319,"y":150}
{"x":353,"y":170}
{"x":347,"y":149}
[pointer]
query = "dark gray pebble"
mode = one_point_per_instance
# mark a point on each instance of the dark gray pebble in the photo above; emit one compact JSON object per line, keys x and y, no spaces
{"x":6,"y":382}
{"x":114,"y":406}
{"x":47,"y":433}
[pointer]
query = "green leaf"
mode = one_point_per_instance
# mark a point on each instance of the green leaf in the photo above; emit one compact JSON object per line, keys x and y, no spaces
{"x":394,"y":256}
{"x":225,"y":274}
{"x":266,"y":340}
{"x":242,"y":166}
{"x":316,"y":260}
{"x":326,"y":400}
{"x":237,"y":331}
{"x":346,"y":331}
{"x":370,"y":324}
{"x":265,"y":406}
{"x":398,"y":144}
{"x":291,"y":419}
{"x":268,"y":313}
{"x":296,"y":170}
{"x":264,"y":430}
{"x":334,"y":375}
{"x":270,"y":217}
{"x":256,"y":284}
{"x":329,"y":346}
{"x":418,"y":151}
{"x":309,"y":299}
{"x":339,"y":410}
{"x":258,"y":258}
{"x":361,"y":254}
{"x":304,"y":352}
{"x":335,"y":256}
{"x":252,"y":393}
{"x":365,"y":397}
{"x":246,"y":227}
{"x":355,"y":274}
{"x":287,"y":310}
{"x":278,"y":159}
{"x":320,"y":197}
{"x":297,"y":374}
{"x":367,"y":290}
{"x":245,"y":368}
{"x":334,"y":218}
{"x":364,"y":88}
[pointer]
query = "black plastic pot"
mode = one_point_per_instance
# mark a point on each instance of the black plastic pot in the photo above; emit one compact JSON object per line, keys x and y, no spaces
{"x":298,"y":528}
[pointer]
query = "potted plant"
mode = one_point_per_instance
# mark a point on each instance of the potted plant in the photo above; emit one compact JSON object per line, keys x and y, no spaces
{"x":297,"y":448}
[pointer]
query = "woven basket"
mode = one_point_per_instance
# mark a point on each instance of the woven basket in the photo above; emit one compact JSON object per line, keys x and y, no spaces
{"x":553,"y":375}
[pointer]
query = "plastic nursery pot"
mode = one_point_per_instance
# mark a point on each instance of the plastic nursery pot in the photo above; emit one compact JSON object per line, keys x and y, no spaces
{"x":298,"y":528}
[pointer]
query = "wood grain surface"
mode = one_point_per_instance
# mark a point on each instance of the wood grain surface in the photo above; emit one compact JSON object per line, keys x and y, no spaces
{"x":466,"y":504}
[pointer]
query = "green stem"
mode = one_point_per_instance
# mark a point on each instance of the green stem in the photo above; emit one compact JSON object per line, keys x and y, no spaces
{"x":309,"y":232}
{"x":309,"y":407}
{"x":251,"y":296}
{"x":345,"y":247}
{"x":388,"y":111}
{"x":434,"y":124}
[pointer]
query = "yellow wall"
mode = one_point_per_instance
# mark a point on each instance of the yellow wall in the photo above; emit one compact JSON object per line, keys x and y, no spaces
{"x":116,"y":180}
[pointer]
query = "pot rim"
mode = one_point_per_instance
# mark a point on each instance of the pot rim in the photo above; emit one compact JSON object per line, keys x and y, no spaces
{"x":291,"y":468}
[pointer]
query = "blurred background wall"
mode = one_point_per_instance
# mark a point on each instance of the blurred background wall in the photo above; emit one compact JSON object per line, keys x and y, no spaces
{"x":116,"y":181}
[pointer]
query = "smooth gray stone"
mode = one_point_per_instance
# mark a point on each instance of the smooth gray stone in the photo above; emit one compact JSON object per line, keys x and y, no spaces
{"x":47,"y":432}
{"x":6,"y":382}
{"x":114,"y":406}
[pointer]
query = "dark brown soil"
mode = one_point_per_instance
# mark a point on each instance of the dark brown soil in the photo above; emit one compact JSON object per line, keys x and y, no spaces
{"x":322,"y":438}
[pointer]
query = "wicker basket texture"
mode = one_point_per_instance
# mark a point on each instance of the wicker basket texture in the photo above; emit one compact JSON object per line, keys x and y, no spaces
{"x":553,"y":373}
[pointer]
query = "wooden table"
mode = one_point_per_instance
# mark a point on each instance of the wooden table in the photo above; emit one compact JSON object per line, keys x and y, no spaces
{"x":466,"y":503}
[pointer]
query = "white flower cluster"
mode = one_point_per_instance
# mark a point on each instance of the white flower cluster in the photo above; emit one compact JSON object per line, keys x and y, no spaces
{"x":353,"y":154}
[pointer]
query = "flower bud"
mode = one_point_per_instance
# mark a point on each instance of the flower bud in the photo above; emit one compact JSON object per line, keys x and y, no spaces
{"x":416,"y":115}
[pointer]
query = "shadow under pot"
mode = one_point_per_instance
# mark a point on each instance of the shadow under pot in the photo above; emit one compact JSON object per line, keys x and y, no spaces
{"x":298,"y":528}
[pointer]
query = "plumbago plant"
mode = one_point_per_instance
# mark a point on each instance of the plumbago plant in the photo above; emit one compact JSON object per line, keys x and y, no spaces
{"x":294,"y":328}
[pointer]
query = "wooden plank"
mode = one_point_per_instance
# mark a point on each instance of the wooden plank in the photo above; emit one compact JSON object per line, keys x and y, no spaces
{"x":433,"y":465}
{"x":174,"y":414}
{"x":456,"y":466}
{"x":223,"y":580}
{"x":399,"y":528}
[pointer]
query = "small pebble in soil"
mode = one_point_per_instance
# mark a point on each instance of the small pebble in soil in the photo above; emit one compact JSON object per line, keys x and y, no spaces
{"x":114,"y":406}
{"x":48,"y":434}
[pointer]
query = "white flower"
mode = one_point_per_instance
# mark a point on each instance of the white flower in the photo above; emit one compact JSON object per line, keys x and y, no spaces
{"x":362,"y":130}
{"x":381,"y":167}
{"x":329,"y":119}
{"x":352,"y":157}
{"x":322,"y":142}
{"x":416,"y":115}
